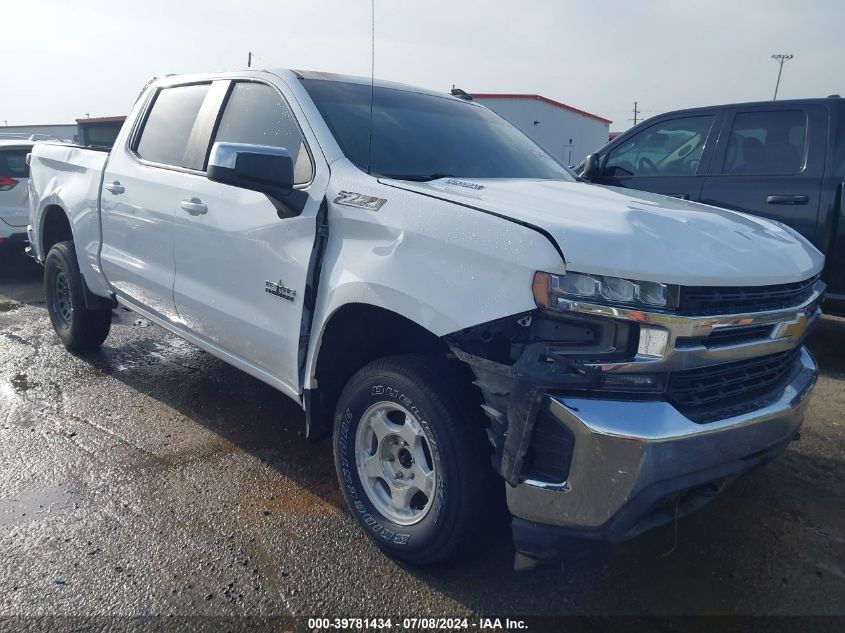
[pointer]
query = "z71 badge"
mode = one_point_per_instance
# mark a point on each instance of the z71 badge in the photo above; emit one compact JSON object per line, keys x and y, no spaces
{"x":280,"y":290}
{"x":359,"y":200}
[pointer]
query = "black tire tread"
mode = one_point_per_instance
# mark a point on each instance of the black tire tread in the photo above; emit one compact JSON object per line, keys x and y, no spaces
{"x":89,"y":328}
{"x":446,"y":389}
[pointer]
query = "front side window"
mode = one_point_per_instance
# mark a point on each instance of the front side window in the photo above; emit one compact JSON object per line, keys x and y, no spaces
{"x":13,"y":163}
{"x":257,"y":114}
{"x":164,"y":138}
{"x":419,"y":136}
{"x":669,"y":148}
{"x":766,"y":143}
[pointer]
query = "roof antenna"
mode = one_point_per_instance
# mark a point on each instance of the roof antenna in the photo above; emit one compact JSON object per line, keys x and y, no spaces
{"x":372,"y":81}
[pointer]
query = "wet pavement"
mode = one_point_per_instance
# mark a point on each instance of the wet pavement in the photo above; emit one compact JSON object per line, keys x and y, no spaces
{"x":151,"y":478}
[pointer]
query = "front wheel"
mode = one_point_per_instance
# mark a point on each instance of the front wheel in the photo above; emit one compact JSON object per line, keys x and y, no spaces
{"x":412,"y":458}
{"x":78,"y":327}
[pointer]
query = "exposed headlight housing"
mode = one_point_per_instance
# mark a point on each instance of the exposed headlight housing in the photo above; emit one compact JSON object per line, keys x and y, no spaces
{"x":553,"y":291}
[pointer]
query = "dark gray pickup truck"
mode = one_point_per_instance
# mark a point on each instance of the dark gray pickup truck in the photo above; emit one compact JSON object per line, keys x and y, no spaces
{"x":783,"y":160}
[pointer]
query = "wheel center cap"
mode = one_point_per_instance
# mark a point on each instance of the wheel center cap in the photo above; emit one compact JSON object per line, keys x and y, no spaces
{"x":405,"y":458}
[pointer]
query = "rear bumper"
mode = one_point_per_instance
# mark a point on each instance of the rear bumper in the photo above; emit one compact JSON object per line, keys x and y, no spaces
{"x":636,"y":465}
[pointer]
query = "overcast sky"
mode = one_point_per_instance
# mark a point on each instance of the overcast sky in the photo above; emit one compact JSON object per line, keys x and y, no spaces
{"x":62,"y":60}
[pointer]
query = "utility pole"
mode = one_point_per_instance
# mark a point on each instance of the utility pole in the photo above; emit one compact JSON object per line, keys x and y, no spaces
{"x":249,"y":60}
{"x":636,"y":112}
{"x":781,"y":59}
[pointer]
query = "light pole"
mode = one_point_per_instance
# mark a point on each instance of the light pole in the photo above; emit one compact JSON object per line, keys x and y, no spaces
{"x":781,"y":59}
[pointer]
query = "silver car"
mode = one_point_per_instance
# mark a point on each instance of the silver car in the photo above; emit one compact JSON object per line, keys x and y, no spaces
{"x":14,"y":195}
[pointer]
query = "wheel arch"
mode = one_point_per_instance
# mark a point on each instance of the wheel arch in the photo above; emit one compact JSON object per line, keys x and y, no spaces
{"x":55,"y":227}
{"x":356,"y":334}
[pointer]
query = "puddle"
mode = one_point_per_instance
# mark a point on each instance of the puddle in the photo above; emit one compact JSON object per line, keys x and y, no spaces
{"x":34,"y":503}
{"x":172,"y":349}
{"x":21,"y":383}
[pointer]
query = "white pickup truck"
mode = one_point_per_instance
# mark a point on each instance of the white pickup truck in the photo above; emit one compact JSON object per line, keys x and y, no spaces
{"x":458,"y":311}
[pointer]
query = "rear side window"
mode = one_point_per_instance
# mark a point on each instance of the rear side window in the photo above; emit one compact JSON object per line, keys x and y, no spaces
{"x":766,"y":143}
{"x":13,"y":163}
{"x":167,"y":130}
{"x":668,"y":148}
{"x":101,"y":136}
{"x":257,"y":114}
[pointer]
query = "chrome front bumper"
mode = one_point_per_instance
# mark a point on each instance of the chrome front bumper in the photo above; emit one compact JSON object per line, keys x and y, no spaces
{"x":632,"y":458}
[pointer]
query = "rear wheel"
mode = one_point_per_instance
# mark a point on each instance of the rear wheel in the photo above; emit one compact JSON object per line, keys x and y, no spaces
{"x":412,"y":458}
{"x":78,"y":327}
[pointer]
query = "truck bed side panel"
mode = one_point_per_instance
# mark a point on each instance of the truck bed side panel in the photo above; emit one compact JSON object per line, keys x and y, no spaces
{"x":70,"y":178}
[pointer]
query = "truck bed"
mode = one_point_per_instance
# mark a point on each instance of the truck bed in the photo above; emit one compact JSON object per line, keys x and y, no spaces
{"x":70,"y":177}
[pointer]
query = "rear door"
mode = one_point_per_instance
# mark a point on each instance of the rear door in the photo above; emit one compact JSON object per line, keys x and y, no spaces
{"x":665,"y":157}
{"x":141,"y":192}
{"x":240,"y":267}
{"x":770,"y":162}
{"x":14,"y":176}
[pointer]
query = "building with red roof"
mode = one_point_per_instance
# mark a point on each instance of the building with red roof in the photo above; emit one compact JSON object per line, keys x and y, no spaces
{"x":565,"y":132}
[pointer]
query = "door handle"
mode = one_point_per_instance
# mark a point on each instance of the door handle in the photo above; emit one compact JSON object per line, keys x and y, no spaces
{"x":788,"y":199}
{"x":114,"y":187}
{"x":194,"y":206}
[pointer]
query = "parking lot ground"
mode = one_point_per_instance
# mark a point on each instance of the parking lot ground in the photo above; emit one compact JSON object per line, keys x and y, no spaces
{"x":152,"y":478}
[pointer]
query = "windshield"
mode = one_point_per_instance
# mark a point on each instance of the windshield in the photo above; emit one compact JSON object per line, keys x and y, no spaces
{"x":420,"y":136}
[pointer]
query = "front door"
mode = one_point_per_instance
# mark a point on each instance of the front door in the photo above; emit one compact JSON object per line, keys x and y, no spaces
{"x":666,"y":157}
{"x":240,"y":268}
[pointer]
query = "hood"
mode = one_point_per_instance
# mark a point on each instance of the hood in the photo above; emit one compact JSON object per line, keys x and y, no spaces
{"x":638,"y":235}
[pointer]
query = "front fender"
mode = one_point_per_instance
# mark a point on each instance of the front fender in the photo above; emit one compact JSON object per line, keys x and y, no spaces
{"x":442,"y":266}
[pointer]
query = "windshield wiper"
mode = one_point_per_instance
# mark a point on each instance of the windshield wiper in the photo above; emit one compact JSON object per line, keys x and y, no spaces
{"x":418,"y":177}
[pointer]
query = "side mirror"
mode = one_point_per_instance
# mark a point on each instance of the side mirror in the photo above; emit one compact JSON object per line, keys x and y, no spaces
{"x":260,"y":168}
{"x":592,"y":168}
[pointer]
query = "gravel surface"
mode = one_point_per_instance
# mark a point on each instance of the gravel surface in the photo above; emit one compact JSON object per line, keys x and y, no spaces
{"x":153,"y":479}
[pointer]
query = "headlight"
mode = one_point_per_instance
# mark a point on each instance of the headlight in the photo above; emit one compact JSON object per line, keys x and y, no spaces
{"x":552,"y":291}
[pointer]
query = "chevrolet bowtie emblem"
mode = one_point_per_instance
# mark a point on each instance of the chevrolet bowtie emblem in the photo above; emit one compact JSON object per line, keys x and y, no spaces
{"x":793,"y":329}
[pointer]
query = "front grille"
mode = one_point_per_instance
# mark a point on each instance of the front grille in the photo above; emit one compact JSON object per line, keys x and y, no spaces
{"x":727,"y":336}
{"x":703,"y":300}
{"x":721,"y":390}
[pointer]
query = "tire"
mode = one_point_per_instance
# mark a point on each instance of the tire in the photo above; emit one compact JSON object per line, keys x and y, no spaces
{"x":421,"y":402}
{"x":79,"y":328}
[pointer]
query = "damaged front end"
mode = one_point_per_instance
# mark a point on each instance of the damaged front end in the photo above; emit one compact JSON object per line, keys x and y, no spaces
{"x":615,"y":400}
{"x":518,"y":360}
